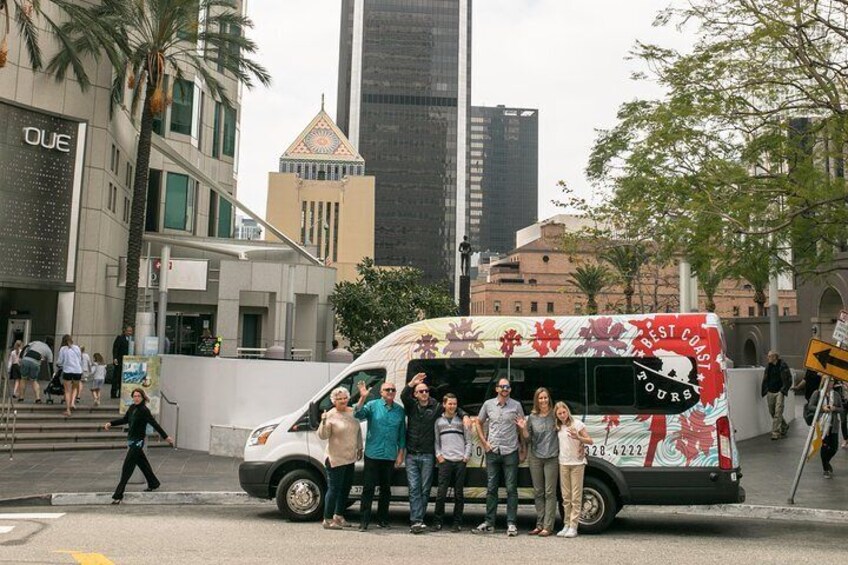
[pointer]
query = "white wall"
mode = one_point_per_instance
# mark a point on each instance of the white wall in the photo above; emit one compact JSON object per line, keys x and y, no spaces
{"x":748,"y":410}
{"x":239,"y":393}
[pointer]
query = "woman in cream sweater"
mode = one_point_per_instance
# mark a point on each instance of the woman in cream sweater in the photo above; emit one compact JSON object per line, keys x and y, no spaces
{"x":344,"y":447}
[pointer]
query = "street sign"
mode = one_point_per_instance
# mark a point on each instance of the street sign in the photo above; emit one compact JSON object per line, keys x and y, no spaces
{"x":840,"y":332}
{"x":828,"y":359}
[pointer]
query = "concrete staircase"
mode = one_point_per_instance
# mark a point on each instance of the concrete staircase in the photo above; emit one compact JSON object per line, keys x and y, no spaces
{"x":44,"y":427}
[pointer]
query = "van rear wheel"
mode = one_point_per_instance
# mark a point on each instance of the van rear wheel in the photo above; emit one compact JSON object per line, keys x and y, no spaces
{"x":599,"y":506}
{"x":300,"y":496}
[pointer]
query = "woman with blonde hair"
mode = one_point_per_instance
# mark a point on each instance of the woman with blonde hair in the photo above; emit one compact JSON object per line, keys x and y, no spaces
{"x":572,"y":436}
{"x":14,"y":369}
{"x":69,"y":361}
{"x":542,"y":459}
{"x":344,"y":447}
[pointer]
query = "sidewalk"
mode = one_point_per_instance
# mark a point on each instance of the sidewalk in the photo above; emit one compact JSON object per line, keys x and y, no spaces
{"x":767,"y":467}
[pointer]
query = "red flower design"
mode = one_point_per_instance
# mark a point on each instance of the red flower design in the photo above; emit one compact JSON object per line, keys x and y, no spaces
{"x":427,"y":347}
{"x":694,"y":436}
{"x":612,"y":421}
{"x":546,"y":338}
{"x":658,"y":428}
{"x":509,"y":341}
{"x":602,"y":336}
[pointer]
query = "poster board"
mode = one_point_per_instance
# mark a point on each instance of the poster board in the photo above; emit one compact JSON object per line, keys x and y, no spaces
{"x":141,"y":371}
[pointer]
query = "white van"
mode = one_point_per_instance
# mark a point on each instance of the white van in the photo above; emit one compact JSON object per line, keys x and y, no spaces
{"x":650,"y":389}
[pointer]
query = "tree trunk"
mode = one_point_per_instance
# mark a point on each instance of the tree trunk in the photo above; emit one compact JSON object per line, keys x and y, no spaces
{"x":138,"y":210}
{"x":591,"y":305}
{"x":628,"y":298}
{"x":760,"y":300}
{"x":710,"y":304}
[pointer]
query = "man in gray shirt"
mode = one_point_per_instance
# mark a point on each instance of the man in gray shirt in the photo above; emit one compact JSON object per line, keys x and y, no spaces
{"x":453,"y":449}
{"x":501,"y":444}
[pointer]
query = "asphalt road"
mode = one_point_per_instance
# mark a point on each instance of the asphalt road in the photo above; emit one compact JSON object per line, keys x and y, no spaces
{"x":102,"y":535}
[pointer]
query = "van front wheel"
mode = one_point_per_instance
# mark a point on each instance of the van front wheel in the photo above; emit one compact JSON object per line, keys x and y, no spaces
{"x":300,"y":496}
{"x":599,"y":506}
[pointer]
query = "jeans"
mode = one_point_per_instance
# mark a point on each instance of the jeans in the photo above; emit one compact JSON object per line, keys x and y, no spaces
{"x":775,"y":406}
{"x":497,"y":465}
{"x":135,"y":456}
{"x":339,"y":482}
{"x":544,"y":474}
{"x":829,"y":447}
{"x":419,"y":477}
{"x":451,"y":474}
{"x":378,"y":472}
{"x":571,"y":484}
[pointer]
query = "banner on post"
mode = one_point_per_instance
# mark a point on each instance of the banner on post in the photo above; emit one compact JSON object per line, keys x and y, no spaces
{"x":141,"y":371}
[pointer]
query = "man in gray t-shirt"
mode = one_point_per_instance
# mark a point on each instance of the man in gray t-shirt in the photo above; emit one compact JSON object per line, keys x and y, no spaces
{"x":34,"y":355}
{"x":502,"y":445}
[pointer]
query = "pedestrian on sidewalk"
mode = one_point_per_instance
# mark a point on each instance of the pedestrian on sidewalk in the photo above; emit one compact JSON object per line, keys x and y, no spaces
{"x":98,"y":377}
{"x":69,"y":362}
{"x":137,"y":417}
{"x":385,"y":443}
{"x":777,"y":379}
{"x":120,"y":348}
{"x":14,"y":369}
{"x":832,"y":413}
{"x":453,"y":450}
{"x":36,"y":354}
{"x":573,"y":438}
{"x":542,"y":459}
{"x":344,"y":448}
{"x":339,"y":354}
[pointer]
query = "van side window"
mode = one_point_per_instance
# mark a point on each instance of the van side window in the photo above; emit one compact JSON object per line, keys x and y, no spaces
{"x":642,"y":385}
{"x":471,"y":380}
{"x":564,"y":378}
{"x":373,"y":379}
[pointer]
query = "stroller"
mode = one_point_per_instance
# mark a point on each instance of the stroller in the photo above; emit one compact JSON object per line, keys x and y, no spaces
{"x":55,"y":388}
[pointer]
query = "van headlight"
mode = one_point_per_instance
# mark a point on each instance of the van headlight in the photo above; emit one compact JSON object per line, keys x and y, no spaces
{"x":260,"y":435}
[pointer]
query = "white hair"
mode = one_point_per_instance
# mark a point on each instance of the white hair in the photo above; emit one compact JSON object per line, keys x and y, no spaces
{"x":339,"y":392}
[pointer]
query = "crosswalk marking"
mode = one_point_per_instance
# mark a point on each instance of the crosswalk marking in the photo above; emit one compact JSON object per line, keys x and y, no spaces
{"x":6,"y":529}
{"x":32,"y":516}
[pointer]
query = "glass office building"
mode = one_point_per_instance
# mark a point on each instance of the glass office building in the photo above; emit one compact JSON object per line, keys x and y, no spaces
{"x":504,"y":183}
{"x":404,"y":103}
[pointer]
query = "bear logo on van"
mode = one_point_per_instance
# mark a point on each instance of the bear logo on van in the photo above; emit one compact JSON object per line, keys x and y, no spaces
{"x":668,"y":378}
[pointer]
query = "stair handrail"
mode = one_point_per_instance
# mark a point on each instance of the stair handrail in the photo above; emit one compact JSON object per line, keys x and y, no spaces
{"x":14,"y":434}
{"x":177,"y":405}
{"x":5,"y":400}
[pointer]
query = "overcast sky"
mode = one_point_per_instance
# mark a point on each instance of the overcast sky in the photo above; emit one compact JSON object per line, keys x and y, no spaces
{"x":565,"y":57}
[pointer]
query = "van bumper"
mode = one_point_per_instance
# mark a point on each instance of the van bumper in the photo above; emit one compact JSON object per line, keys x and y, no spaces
{"x":675,"y":486}
{"x":253,"y":478}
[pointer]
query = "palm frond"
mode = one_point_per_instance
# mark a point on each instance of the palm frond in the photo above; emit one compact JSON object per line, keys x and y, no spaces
{"x":28,"y":30}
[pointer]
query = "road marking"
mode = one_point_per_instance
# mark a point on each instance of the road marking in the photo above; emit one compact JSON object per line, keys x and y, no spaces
{"x":89,"y":558}
{"x":6,"y":529}
{"x":33,"y":516}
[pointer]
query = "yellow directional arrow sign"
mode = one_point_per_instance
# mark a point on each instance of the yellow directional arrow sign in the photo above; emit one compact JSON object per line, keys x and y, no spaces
{"x":828,"y":359}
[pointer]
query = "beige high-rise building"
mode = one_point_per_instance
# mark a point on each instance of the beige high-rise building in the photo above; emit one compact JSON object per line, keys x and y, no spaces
{"x":322,"y":198}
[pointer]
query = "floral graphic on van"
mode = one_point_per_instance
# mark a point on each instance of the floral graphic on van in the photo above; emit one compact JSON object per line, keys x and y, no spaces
{"x":694,"y":437}
{"x":658,"y":429}
{"x":611,"y":421}
{"x":427,"y":347}
{"x":509,"y":341}
{"x":547,"y":337}
{"x":463,"y":341}
{"x":602,"y":336}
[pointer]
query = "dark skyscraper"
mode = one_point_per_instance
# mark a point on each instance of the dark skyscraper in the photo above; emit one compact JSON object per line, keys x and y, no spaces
{"x":504,"y":185}
{"x":405,"y":103}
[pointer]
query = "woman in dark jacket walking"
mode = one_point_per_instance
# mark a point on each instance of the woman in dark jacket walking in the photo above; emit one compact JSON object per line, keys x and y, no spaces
{"x":138,"y":416}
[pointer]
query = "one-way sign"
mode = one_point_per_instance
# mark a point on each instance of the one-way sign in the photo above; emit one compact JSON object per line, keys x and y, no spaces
{"x":828,"y":359}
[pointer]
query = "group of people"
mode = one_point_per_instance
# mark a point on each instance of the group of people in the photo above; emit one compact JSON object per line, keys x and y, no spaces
{"x":72,"y":365}
{"x":424,"y":436}
{"x":776,"y":384}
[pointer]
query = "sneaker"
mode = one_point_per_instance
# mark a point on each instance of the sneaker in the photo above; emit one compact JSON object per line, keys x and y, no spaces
{"x":828,"y":474}
{"x":483,"y":528}
{"x":571,"y":533}
{"x":363,"y":527}
{"x":511,"y":530}
{"x":775,"y":437}
{"x":437,"y":527}
{"x":384,"y":525}
{"x":562,"y":533}
{"x":417,"y":528}
{"x":331,"y":525}
{"x":457,"y":528}
{"x":342,"y":522}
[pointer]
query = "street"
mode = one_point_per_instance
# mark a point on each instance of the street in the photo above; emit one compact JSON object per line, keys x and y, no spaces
{"x":248,"y":534}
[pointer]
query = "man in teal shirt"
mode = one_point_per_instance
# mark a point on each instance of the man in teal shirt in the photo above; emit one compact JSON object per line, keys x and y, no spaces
{"x":385,"y":443}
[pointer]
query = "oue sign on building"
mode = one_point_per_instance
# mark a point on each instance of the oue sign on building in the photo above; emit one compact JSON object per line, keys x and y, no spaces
{"x":47,"y":140}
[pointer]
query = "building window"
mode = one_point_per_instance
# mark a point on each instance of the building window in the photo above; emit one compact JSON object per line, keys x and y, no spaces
{"x":126,"y":210}
{"x":180,"y":196}
{"x":182,"y":108}
{"x":335,"y":231}
{"x":736,"y":311}
{"x":517,"y":307}
{"x":750,"y":311}
{"x":112,"y":196}
{"x":213,"y":213}
{"x":225,"y":218}
{"x":200,"y":111}
{"x":785,"y":310}
{"x":229,"y":148}
{"x":129,"y":175}
{"x":154,"y":183}
{"x":497,"y":306}
{"x":534,"y":306}
{"x":578,"y":308}
{"x":216,"y":131}
{"x":113,"y":158}
{"x":234,"y":50}
{"x":550,"y":308}
{"x":159,"y":119}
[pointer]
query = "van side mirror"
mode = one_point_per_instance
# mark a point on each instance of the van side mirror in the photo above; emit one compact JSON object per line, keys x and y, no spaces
{"x":314,"y":416}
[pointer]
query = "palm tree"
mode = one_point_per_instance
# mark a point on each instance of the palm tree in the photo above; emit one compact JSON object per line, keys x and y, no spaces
{"x":144,"y":40}
{"x":25,"y":14}
{"x":590,"y":280}
{"x":710,"y":279}
{"x":627,"y":260}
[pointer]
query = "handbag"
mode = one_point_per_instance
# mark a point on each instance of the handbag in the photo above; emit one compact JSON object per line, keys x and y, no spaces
{"x":110,"y":374}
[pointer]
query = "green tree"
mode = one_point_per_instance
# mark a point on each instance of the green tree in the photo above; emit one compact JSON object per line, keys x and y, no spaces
{"x":591,"y":280}
{"x":26,"y":14}
{"x":144,"y":40}
{"x":384,"y":300}
{"x":627,"y":261}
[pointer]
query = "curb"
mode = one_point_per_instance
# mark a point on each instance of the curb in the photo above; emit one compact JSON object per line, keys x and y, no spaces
{"x":158,"y":498}
{"x":749,"y":511}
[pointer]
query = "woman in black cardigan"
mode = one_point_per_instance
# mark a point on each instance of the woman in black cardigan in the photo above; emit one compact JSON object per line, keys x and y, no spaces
{"x":137,"y":417}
